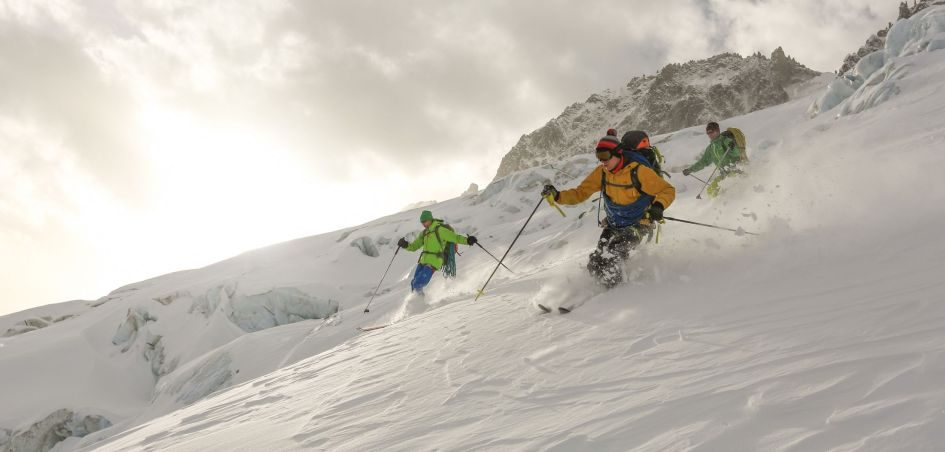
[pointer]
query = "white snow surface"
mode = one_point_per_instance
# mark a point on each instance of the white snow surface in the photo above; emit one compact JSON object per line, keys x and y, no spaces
{"x":826,"y":332}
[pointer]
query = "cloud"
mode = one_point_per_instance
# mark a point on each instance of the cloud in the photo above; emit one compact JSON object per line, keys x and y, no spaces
{"x":817,"y":33}
{"x":132,"y":109}
{"x":412,"y":80}
{"x":46,"y":80}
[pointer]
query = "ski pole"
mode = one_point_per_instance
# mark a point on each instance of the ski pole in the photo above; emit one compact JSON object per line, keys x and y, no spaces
{"x":496,"y":258}
{"x":551,"y":202}
{"x":560,"y":171}
{"x":700,"y":180}
{"x":366,"y":310}
{"x":699,"y":196}
{"x":510,"y":248}
{"x":737,"y":231}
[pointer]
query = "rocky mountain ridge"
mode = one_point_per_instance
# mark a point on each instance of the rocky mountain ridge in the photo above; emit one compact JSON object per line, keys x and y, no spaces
{"x":678,"y":96}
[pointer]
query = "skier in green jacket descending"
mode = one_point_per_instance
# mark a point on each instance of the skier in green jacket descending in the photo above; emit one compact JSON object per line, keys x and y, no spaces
{"x":435,"y":241}
{"x":724,"y":152}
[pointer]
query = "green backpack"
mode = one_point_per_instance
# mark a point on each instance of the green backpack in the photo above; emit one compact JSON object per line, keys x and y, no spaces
{"x":736,"y":134}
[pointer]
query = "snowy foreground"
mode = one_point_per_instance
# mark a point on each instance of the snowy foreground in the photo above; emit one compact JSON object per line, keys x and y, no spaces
{"x":827,"y":332}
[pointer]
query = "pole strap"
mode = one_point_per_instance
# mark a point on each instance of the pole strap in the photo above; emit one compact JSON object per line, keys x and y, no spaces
{"x":552,"y":203}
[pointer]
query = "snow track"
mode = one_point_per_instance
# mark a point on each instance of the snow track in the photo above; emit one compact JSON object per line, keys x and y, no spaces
{"x":826,"y":332}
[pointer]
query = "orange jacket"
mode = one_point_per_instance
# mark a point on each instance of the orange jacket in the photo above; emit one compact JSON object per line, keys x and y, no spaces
{"x":620,"y":188}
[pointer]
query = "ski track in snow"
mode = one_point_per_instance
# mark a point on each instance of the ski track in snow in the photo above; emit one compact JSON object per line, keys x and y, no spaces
{"x":827,"y":332}
{"x":850,"y":364}
{"x":715,"y":381}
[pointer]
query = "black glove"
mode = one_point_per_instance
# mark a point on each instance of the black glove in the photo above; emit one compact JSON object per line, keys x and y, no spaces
{"x":472,"y":240}
{"x":686,"y":172}
{"x":655,"y":212}
{"x":550,"y":190}
{"x":402,"y":242}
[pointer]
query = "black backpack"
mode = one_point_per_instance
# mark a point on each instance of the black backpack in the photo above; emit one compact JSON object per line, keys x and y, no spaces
{"x":648,"y":155}
{"x":652,"y":157}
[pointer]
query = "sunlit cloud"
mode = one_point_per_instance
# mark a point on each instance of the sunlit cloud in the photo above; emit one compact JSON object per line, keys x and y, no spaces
{"x":140,"y":138}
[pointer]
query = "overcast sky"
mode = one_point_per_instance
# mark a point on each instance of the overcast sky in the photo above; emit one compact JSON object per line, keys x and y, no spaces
{"x":142,"y":137}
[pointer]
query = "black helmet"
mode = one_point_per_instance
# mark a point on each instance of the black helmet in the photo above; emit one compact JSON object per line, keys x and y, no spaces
{"x":635,"y":139}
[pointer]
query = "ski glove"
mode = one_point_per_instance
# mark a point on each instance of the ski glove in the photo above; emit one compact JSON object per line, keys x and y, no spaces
{"x":472,"y":240}
{"x":686,"y":172}
{"x":550,"y":190}
{"x":402,"y":243}
{"x":655,"y":212}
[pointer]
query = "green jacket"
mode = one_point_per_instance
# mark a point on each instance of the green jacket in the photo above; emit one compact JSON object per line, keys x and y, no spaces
{"x":434,"y":240}
{"x":715,"y":152}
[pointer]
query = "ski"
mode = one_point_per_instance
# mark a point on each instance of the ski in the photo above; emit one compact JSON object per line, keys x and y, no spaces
{"x":547,"y":310}
{"x":372,"y":328}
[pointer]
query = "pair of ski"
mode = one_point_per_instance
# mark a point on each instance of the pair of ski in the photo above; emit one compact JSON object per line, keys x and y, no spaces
{"x":547,"y":310}
{"x":372,"y":328}
{"x":544,"y":310}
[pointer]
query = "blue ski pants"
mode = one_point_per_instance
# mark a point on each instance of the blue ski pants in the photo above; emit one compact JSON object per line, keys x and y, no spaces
{"x":421,"y":277}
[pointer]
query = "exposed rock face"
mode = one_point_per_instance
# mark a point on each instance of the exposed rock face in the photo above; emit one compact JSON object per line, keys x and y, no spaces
{"x":906,"y":11}
{"x":875,"y":42}
{"x":678,"y":96}
{"x":471,"y":191}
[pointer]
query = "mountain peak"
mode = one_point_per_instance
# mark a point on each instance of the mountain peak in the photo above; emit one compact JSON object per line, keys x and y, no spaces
{"x":679,"y":95}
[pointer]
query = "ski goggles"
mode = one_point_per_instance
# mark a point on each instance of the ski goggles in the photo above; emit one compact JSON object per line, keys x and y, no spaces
{"x":605,"y":154}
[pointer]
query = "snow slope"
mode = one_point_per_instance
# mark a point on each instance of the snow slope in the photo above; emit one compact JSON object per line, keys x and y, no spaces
{"x":827,"y":332}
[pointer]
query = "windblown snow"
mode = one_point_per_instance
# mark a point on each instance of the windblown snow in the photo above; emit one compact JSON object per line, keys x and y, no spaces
{"x":826,"y":332}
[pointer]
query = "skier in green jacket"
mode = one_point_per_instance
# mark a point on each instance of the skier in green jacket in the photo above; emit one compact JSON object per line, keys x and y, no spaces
{"x":723,"y":152}
{"x":435,"y":241}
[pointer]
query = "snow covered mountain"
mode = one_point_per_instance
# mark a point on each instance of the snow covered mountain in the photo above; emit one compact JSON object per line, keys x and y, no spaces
{"x":678,"y":96}
{"x":826,"y":332}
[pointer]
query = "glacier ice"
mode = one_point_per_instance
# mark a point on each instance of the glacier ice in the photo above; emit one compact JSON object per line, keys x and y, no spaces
{"x":366,"y":246}
{"x":279,"y":306}
{"x":44,"y":434}
{"x":873,"y":80}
